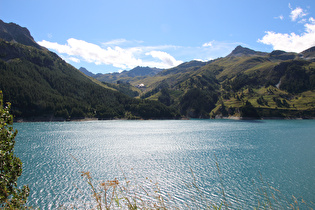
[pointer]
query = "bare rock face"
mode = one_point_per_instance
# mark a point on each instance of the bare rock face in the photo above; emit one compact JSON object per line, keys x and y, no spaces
{"x":12,"y":32}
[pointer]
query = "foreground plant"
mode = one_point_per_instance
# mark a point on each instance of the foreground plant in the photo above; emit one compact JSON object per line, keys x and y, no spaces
{"x":11,"y":197}
{"x":114,"y":194}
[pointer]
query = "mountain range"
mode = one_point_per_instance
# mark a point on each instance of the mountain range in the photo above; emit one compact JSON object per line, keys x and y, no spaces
{"x":42,"y":86}
{"x":246,"y":83}
{"x":278,"y":84}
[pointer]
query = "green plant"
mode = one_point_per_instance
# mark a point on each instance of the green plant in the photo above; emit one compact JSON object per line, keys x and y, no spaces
{"x":11,"y":197}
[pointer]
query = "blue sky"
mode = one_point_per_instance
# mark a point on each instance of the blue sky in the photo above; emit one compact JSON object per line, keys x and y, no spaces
{"x":110,"y":36}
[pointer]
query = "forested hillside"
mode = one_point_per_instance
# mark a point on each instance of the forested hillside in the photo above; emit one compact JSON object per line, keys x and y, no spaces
{"x":246,"y":83}
{"x":39,"y":84}
{"x":42,"y":86}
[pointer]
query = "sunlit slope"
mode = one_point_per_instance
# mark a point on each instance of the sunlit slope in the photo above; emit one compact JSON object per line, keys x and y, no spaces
{"x":246,"y":73}
{"x":39,"y":84}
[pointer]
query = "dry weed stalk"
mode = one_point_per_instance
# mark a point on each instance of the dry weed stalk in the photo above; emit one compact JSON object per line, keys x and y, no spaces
{"x":113,"y":194}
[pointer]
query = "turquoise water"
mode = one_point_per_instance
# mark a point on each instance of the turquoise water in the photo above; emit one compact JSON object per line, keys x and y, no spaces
{"x":249,"y":154}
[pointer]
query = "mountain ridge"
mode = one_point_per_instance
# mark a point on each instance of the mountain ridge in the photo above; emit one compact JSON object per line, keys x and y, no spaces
{"x":239,"y":51}
{"x":272,"y":83}
{"x":125,"y":76}
{"x":245,"y":84}
{"x":86,"y":72}
{"x":309,"y":53}
{"x":43,"y":87}
{"x":243,"y":51}
{"x":12,"y":32}
{"x":287,"y":74}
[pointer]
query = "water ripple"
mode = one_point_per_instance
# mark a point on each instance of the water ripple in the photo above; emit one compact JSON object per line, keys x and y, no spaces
{"x":177,"y":155}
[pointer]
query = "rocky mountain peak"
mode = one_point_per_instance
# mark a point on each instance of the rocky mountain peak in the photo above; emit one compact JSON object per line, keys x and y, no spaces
{"x":243,"y":51}
{"x":12,"y":32}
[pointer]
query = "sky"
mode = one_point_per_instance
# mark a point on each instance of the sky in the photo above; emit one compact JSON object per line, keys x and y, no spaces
{"x":112,"y":36}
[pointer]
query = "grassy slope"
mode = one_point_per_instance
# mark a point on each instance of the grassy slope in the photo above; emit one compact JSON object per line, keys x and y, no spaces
{"x":39,"y":83}
{"x":259,"y":70}
{"x":301,"y":101}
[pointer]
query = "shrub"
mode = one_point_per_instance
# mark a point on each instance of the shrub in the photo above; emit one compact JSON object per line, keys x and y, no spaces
{"x":11,"y":197}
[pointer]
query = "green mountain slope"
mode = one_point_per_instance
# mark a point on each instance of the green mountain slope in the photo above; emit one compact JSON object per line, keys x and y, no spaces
{"x":42,"y":86}
{"x":276,"y":84}
{"x":246,"y":83}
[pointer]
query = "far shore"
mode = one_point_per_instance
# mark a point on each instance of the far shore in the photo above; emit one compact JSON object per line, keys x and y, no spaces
{"x":41,"y":119}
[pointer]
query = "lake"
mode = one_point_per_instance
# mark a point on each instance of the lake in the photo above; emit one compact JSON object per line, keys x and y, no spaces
{"x":251,"y":157}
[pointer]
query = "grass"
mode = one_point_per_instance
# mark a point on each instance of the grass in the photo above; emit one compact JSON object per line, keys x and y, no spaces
{"x":234,"y":65}
{"x":305,"y":100}
{"x":126,"y":194}
{"x":298,"y":103}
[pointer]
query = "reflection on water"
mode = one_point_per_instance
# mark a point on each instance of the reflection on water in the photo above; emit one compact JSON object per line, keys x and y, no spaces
{"x":54,"y":154}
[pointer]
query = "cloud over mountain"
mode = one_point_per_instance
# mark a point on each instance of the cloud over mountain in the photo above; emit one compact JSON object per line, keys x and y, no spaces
{"x":293,"y":42}
{"x":164,"y":57}
{"x":125,"y":58}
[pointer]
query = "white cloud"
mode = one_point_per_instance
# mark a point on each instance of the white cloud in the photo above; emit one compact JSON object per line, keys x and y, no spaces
{"x":292,"y":42}
{"x":297,"y":13}
{"x":116,"y":53}
{"x":281,"y":17}
{"x":76,"y":60}
{"x":124,"y":58}
{"x":166,"y":58}
{"x":206,"y":60}
{"x":115,"y":42}
{"x":208,"y":44}
{"x":121,"y":42}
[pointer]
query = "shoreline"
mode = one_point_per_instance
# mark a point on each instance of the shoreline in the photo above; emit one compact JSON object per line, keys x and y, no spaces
{"x":41,"y":119}
{"x":267,"y":118}
{"x":21,"y":120}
